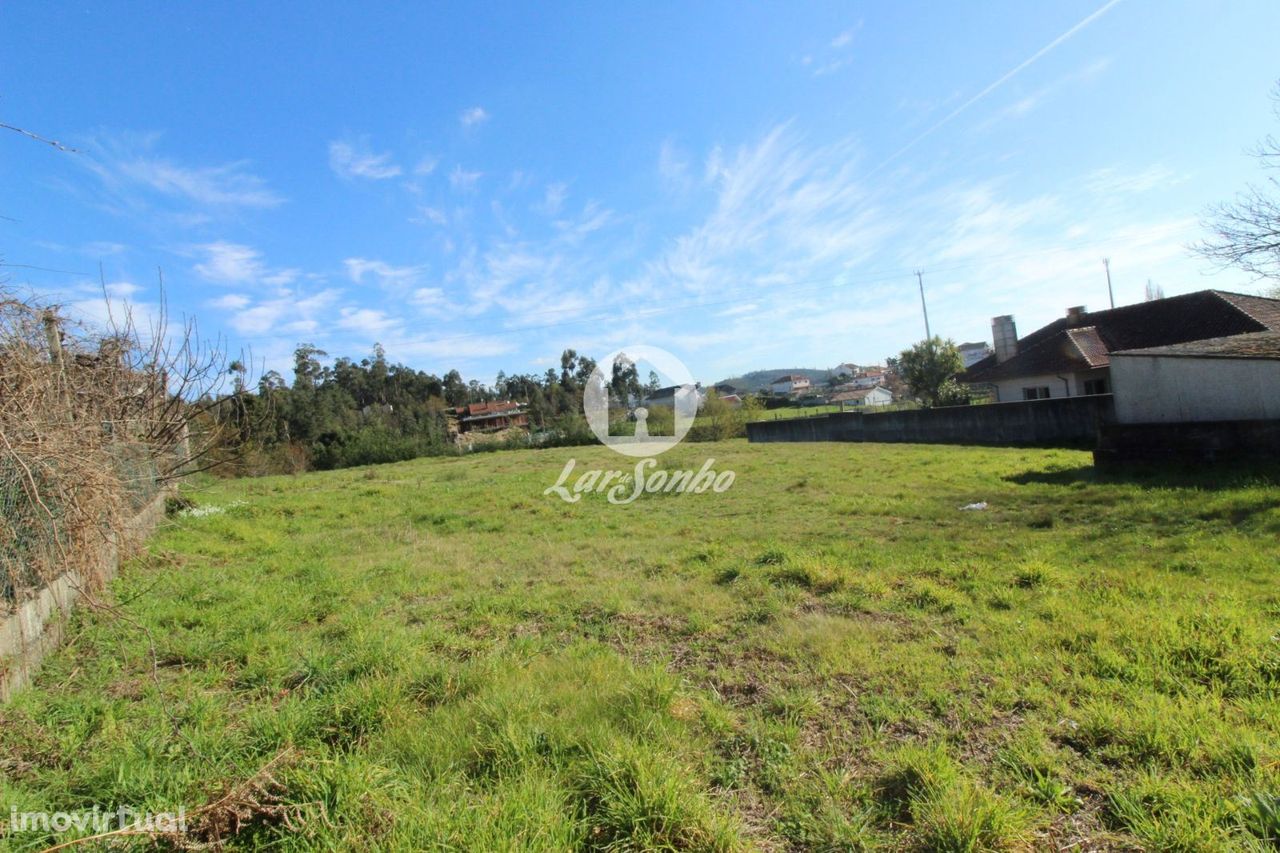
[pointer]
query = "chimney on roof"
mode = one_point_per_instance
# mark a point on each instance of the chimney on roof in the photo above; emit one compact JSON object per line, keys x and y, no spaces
{"x":1004,"y":335}
{"x":1075,"y":313}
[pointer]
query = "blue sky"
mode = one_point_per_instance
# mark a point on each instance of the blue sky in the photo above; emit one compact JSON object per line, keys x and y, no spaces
{"x":745,"y":185}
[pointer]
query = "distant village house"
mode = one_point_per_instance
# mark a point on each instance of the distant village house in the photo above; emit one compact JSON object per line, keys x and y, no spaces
{"x":858,"y":398}
{"x":791,"y":384}
{"x":667,"y":396}
{"x":869,"y":378}
{"x":490,"y":417}
{"x":972,"y":353}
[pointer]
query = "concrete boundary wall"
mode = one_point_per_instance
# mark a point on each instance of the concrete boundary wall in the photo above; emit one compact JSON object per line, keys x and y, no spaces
{"x":1061,"y":422}
{"x":1194,"y":442}
{"x":37,"y":625}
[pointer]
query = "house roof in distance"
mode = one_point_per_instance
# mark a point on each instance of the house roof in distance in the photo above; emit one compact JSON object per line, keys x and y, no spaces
{"x":485,"y":410}
{"x":1086,"y":341}
{"x":859,"y":394}
{"x":1252,"y":345}
{"x":669,"y":391}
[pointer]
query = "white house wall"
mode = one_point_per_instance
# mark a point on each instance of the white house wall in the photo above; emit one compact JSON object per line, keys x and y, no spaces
{"x":1010,"y":390}
{"x":879,"y":397}
{"x":1163,"y":389}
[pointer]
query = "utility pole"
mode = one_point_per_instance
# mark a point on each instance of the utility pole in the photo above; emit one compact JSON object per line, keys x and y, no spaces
{"x":1106,"y":264}
{"x":924,"y":306}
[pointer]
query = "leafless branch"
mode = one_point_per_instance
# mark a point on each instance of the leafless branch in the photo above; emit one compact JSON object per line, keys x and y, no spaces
{"x":1246,"y":231}
{"x":90,"y":418}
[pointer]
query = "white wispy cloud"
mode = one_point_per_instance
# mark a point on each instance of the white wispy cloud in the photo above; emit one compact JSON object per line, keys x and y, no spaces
{"x":831,"y":67}
{"x":1111,"y":181}
{"x":1024,"y":103}
{"x":231,"y":302}
{"x":354,"y":159}
{"x":134,"y":174}
{"x":428,"y":297}
{"x":714,"y":168}
{"x":562,"y":273}
{"x":224,"y":262}
{"x":779,"y":206}
{"x":454,"y":351}
{"x":834,"y":55}
{"x":673,"y":168}
{"x":553,"y":198}
{"x":288,"y":314}
{"x":381,"y":273}
{"x":281,"y":277}
{"x":230,"y":263}
{"x":791,"y":226}
{"x":462,"y":180}
{"x":592,"y":218}
{"x":103,"y":248}
{"x":366,"y":321}
{"x":736,"y":310}
{"x":473,"y":117}
{"x":227,"y":185}
{"x":121,"y":289}
{"x":426,"y":165}
{"x":433,"y":215}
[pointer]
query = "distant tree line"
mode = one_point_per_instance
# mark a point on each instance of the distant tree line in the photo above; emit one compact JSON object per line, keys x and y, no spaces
{"x":373,"y":410}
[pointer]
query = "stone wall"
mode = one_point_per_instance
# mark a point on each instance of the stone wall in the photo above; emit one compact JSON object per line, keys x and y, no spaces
{"x":36,"y":625}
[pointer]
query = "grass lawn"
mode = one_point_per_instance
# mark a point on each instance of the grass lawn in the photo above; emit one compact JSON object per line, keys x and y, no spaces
{"x":830,"y":655}
{"x":789,"y":412}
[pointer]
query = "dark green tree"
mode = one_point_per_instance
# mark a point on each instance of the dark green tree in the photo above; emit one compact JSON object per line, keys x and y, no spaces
{"x":929,"y":368}
{"x":306,"y":365}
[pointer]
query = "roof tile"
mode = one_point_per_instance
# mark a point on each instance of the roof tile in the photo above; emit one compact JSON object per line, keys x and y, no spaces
{"x":1066,"y":346}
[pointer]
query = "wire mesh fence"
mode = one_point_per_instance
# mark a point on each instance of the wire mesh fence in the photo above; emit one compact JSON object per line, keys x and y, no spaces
{"x":94,"y":422}
{"x":33,"y":516}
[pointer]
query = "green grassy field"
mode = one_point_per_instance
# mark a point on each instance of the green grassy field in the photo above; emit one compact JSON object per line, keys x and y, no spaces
{"x":831,"y":655}
{"x":797,"y":412}
{"x":830,"y":408}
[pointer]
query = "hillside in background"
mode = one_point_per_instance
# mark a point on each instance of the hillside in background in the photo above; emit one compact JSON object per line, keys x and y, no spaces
{"x":758,"y":380}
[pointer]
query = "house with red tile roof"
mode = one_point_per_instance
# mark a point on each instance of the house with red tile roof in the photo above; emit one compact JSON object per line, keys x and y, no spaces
{"x":490,"y":417}
{"x":790,"y":384}
{"x":1071,"y":356}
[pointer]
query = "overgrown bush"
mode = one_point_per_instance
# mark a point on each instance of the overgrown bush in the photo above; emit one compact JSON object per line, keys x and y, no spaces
{"x":91,"y":423}
{"x":719,"y":420}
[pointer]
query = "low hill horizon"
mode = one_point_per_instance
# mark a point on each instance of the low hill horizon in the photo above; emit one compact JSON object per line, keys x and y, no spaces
{"x":758,"y":380}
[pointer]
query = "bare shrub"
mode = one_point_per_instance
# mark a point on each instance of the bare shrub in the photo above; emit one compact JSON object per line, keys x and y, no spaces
{"x":92,"y":424}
